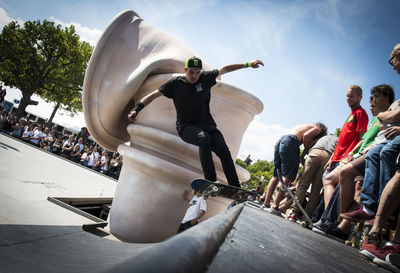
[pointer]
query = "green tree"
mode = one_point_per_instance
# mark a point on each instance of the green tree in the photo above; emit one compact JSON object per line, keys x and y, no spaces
{"x":43,"y":59}
{"x":261,"y":170}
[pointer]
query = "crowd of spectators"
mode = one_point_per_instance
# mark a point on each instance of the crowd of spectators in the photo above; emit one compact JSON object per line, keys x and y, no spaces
{"x":76,"y":148}
{"x":354,"y":178}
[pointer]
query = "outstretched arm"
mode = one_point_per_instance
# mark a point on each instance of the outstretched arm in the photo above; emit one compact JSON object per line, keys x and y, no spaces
{"x":142,"y":103}
{"x":232,"y":67}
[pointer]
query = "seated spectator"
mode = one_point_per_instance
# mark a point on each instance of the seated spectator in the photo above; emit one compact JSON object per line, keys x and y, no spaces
{"x":67,"y":147}
{"x":374,"y":247}
{"x":80,"y":143}
{"x":44,"y":139}
{"x":17,"y":130}
{"x":28,"y":133}
{"x":104,"y":161}
{"x":379,"y":163}
{"x":37,"y":135}
{"x":51,"y":138}
{"x":3,"y":119}
{"x":113,"y":167}
{"x":56,"y":147}
{"x":8,"y":124}
{"x":93,"y":158}
{"x":382,"y":97}
{"x":350,"y":134}
{"x":85,"y":156}
{"x":75,"y":154}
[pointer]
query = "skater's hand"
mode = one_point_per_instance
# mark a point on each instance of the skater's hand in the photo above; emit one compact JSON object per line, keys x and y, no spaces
{"x":132,"y":115}
{"x":193,"y":222}
{"x":256,"y":63}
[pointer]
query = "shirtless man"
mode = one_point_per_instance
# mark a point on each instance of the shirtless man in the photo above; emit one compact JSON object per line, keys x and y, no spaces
{"x":287,"y":158}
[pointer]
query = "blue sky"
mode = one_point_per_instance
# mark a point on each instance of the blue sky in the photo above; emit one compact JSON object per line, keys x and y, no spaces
{"x":312,"y":50}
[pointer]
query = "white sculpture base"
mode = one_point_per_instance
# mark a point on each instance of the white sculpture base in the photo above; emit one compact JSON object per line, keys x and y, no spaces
{"x":148,"y":205}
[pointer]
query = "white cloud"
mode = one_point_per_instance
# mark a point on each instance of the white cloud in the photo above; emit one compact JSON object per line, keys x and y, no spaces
{"x":90,"y":35}
{"x":5,"y":19}
{"x":259,"y":140}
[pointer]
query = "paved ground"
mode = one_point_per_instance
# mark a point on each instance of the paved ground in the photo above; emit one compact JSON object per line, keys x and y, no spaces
{"x":39,"y":236}
{"x":262,"y":242}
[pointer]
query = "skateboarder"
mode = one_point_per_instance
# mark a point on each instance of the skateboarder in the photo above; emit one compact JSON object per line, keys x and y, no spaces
{"x":197,"y":209}
{"x":195,"y":125}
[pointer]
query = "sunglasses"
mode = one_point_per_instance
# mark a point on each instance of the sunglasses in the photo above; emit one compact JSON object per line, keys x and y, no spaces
{"x":391,"y":60}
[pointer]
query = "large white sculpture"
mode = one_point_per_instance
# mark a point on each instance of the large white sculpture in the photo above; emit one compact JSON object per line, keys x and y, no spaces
{"x":131,"y":59}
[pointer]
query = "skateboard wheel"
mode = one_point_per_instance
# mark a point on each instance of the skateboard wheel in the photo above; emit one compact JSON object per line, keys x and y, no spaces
{"x":250,"y":198}
{"x":214,"y":188}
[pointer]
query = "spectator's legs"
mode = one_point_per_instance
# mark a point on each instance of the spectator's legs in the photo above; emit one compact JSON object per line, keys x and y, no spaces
{"x":346,"y":177}
{"x":331,"y":212}
{"x":389,"y":202}
{"x":271,"y":189}
{"x":310,"y":169}
{"x":388,"y":157}
{"x":316,"y":180}
{"x":370,"y":189}
{"x":329,"y":183}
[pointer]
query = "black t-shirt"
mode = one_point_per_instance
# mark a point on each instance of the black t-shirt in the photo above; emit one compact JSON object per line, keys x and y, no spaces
{"x":192,"y":101}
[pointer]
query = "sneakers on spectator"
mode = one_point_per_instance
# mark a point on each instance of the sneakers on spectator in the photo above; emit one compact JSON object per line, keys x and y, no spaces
{"x":294,"y":217}
{"x":373,"y":247}
{"x":358,"y":215}
{"x":272,"y":210}
{"x":265,"y":207}
{"x":337,"y":232}
{"x":322,"y":228}
{"x":392,"y":262}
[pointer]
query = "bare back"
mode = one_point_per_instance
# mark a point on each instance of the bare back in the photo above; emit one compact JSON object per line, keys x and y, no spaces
{"x":305,"y":130}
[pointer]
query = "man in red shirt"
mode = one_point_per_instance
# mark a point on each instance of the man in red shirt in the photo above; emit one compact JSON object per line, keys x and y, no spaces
{"x":352,"y":131}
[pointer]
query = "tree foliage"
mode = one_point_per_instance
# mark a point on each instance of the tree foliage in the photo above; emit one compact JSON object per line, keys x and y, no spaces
{"x":43,"y":59}
{"x":261,"y":170}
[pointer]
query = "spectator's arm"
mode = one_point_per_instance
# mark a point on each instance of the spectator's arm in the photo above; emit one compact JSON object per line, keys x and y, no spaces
{"x":389,"y":116}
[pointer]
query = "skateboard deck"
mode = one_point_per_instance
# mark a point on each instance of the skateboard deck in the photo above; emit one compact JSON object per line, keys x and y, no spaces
{"x":308,"y":222}
{"x":208,"y":188}
{"x":358,"y":232}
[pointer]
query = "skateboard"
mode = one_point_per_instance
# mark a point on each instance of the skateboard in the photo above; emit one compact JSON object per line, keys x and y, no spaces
{"x":208,"y":188}
{"x":358,"y":232}
{"x":308,"y":222}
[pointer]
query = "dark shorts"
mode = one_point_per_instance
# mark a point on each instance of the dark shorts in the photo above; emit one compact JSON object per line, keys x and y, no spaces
{"x":359,"y":164}
{"x":185,"y":226}
{"x":287,"y":156}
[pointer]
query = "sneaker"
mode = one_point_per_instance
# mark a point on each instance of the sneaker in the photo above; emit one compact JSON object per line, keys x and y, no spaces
{"x":372,"y":248}
{"x":322,"y":228}
{"x":370,"y":244}
{"x":293,"y":217}
{"x":274,"y":211}
{"x":392,"y":261}
{"x":386,"y":250}
{"x":337,"y":232}
{"x":357,"y":215}
{"x":265,"y":207}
